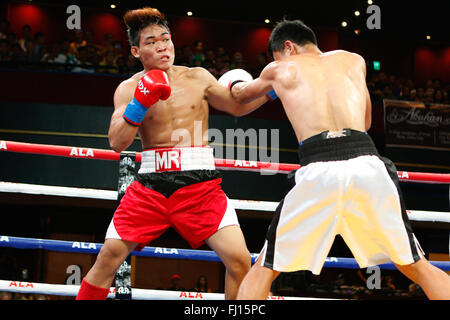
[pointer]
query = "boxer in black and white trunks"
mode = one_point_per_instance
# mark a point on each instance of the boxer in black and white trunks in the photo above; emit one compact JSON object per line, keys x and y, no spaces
{"x":343,"y":185}
{"x":177,"y":184}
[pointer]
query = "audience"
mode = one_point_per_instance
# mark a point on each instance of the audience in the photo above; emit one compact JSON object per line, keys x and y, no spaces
{"x":202,"y":285}
{"x":382,"y":86}
{"x":175,"y":285}
{"x":82,"y":54}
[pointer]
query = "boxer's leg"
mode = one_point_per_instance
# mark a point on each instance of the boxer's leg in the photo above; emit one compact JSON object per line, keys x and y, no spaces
{"x":229,"y":244}
{"x":98,"y":280}
{"x":256,"y":284}
{"x":433,"y":281}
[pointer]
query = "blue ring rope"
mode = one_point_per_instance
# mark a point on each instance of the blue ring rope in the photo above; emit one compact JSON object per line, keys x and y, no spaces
{"x":168,"y":253}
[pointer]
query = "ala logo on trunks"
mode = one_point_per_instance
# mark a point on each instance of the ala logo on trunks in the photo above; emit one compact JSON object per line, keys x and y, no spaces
{"x":3,"y":145}
{"x":168,"y":160}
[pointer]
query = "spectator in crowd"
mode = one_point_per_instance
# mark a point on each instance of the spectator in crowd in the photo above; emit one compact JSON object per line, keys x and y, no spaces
{"x":82,"y":63}
{"x":197,"y":63}
{"x":222,"y":65}
{"x":121,"y":64}
{"x":420,"y":94}
{"x":108,"y":43}
{"x":209,"y":55}
{"x":410,"y":84}
{"x":17,"y":54}
{"x":389,"y":282}
{"x":414,"y":290}
{"x":39,"y":47}
{"x":92,"y":53}
{"x":12,"y":38}
{"x":108,"y":64}
{"x":238,"y":61}
{"x":55,"y":54}
{"x":438,"y":96}
{"x":220,"y":52}
{"x":405,"y":93}
{"x":5,"y":295}
{"x":5,"y":50}
{"x":4,"y":28}
{"x":65,"y":49}
{"x":202,"y":284}
{"x":118,"y":48}
{"x":186,"y":59}
{"x":429,"y":88}
{"x":197,"y":54}
{"x":387,"y":93}
{"x":89,"y":38}
{"x":175,"y":280}
{"x":96,"y":59}
{"x":29,"y":50}
{"x":26,"y":36}
{"x":210,"y":66}
{"x":413,"y":95}
{"x":437,"y":84}
{"x":429,"y":96}
{"x":78,"y":42}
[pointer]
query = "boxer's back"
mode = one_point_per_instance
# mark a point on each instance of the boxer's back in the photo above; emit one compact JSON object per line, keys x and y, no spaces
{"x":323,"y":92}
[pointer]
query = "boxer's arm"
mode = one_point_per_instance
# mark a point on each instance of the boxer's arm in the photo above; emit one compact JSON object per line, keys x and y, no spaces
{"x":220,"y":98}
{"x":368,"y":117}
{"x":121,"y":134}
{"x":246,"y":92}
{"x":368,"y":120}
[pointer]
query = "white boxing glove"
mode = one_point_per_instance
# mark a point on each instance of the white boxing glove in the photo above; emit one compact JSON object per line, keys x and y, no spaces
{"x":230,"y":78}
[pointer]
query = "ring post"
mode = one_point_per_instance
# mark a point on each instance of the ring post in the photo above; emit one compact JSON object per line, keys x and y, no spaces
{"x":127,"y":166}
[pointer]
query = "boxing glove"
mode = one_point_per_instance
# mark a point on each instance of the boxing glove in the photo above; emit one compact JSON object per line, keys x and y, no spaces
{"x":153,"y":86}
{"x":230,"y":78}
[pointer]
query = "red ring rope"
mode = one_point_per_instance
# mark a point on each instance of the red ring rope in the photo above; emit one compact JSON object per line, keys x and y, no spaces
{"x":224,"y":164}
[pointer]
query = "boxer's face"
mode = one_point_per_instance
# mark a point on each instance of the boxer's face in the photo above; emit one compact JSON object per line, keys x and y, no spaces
{"x":156,"y":49}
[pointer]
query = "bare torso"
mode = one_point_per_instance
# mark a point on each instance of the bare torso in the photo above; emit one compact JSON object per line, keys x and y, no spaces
{"x":322,"y":92}
{"x":181,"y":120}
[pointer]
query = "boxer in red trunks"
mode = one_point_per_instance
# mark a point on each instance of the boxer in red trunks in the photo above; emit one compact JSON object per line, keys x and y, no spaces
{"x":177,"y":184}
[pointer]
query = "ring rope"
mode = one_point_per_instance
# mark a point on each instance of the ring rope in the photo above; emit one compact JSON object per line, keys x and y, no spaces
{"x":222,"y":164}
{"x":137,"y":294}
{"x":253,"y":205}
{"x":168,"y":253}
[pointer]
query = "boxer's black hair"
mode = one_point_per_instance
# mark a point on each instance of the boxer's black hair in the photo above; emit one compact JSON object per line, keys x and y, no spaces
{"x":293,"y":30}
{"x":138,"y":19}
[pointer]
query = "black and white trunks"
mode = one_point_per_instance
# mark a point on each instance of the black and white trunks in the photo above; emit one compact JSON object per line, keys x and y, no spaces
{"x":342,"y":187}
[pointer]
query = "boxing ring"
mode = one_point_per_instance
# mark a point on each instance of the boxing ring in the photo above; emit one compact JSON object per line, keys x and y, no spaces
{"x":168,"y":253}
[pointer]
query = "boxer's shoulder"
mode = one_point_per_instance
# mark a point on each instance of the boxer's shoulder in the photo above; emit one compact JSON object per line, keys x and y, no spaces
{"x":200,"y":74}
{"x":271,"y":70}
{"x":125,"y":89}
{"x":343,"y":53}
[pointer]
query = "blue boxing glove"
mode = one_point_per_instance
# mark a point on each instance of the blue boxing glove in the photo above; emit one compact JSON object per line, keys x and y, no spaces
{"x":272,"y":95}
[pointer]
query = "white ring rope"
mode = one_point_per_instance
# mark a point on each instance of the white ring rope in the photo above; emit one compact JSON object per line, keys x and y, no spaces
{"x":253,"y":205}
{"x":137,"y":294}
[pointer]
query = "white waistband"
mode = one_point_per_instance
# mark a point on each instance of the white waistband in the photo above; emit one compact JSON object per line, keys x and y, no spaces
{"x":177,"y":159}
